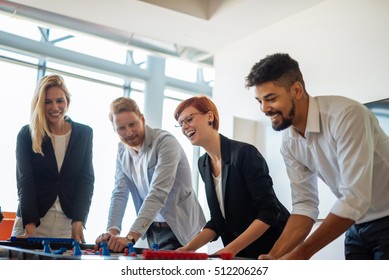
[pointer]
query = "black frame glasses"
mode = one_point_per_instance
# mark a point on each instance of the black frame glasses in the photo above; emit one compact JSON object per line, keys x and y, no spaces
{"x":188,"y":119}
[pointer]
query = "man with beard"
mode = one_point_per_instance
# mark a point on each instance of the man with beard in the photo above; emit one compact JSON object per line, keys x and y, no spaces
{"x":338,"y":140}
{"x":153,"y":167}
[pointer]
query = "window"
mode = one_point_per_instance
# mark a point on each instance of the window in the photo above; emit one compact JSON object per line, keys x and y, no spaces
{"x":91,"y":46}
{"x":168,"y":123}
{"x":19,"y":27}
{"x":17,"y":87}
{"x":180,"y":69}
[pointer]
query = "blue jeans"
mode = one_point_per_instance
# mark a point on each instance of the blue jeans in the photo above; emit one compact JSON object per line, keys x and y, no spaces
{"x":164,"y":237}
{"x":368,"y":241}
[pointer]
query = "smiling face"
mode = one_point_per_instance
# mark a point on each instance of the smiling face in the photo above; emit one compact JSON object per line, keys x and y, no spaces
{"x":194,"y":125}
{"x":277,"y":103}
{"x":56,"y":106}
{"x":130,"y":128}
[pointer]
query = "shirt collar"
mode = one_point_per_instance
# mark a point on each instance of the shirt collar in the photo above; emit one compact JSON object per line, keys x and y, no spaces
{"x":313,"y":119}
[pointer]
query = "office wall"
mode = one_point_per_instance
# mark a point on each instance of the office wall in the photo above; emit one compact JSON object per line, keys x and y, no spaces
{"x":342,"y":47}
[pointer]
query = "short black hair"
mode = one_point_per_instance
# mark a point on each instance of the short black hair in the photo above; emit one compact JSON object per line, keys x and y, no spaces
{"x":279,"y":68}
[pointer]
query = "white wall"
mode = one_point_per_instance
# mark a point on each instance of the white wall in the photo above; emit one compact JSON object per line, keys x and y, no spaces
{"x":342,"y":47}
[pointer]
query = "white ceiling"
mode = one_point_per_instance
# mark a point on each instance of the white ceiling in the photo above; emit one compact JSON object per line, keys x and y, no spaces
{"x":206,"y":25}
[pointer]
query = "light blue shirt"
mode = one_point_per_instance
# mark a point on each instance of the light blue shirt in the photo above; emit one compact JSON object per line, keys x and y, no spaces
{"x":170,"y":191}
{"x":345,"y":147}
{"x":139,"y":166}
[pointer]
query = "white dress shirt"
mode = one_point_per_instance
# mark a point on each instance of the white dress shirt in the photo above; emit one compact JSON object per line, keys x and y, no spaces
{"x":219,"y":192}
{"x":138,"y":165}
{"x":60,"y":144}
{"x":344,"y":146}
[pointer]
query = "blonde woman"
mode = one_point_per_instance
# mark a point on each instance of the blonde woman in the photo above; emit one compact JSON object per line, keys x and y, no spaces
{"x":55,"y":177}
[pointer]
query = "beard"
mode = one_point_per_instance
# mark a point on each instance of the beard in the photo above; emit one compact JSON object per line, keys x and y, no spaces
{"x":286,"y":121}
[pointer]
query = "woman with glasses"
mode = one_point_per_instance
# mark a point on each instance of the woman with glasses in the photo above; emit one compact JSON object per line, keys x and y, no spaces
{"x":244,"y":210}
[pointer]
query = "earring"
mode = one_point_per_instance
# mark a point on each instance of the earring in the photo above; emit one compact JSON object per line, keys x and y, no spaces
{"x":209,"y":123}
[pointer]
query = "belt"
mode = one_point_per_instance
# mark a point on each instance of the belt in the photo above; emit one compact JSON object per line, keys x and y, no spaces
{"x":160,"y":224}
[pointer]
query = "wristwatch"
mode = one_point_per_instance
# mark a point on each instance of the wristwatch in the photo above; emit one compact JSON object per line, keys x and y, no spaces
{"x":131,"y":238}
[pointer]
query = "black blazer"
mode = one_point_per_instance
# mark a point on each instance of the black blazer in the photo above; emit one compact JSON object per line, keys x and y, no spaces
{"x":248,"y":194}
{"x":39,"y":182}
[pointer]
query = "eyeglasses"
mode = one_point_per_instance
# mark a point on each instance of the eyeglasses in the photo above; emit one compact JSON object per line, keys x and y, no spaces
{"x":187,"y":120}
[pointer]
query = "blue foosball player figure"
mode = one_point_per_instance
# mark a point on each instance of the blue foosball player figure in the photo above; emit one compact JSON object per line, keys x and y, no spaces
{"x":60,"y":251}
{"x":76,"y":249}
{"x":131,"y":250}
{"x":105,"y":250}
{"x":46,"y":246}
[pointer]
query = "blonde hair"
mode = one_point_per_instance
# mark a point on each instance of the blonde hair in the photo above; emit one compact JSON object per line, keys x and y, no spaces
{"x":38,"y":123}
